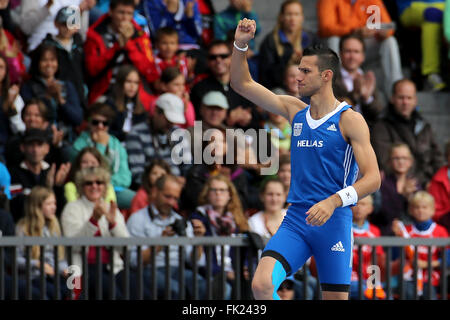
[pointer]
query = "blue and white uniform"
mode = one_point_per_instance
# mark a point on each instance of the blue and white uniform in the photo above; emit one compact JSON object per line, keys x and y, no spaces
{"x":322,"y":163}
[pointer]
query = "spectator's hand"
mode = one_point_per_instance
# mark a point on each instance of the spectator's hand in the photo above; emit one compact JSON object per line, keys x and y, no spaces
{"x":168,"y":232}
{"x":58,"y":136}
{"x":61,"y":175}
{"x":110,"y":215}
{"x":396,"y":228}
{"x":199,"y":227}
{"x":189,"y":9}
{"x":100,"y":136}
{"x":410,"y":187}
{"x":4,"y":4}
{"x":368,"y":85}
{"x":245,"y":31}
{"x":126,"y":30}
{"x":50,"y":179}
{"x":99,"y":210}
{"x":54,"y":89}
{"x":366,"y":32}
{"x":12,"y":95}
{"x":48,"y":269}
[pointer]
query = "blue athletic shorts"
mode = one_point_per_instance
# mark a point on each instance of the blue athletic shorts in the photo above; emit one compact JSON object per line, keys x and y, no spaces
{"x":331,"y":245}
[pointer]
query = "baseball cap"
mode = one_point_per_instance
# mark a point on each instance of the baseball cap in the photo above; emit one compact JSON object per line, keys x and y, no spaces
{"x":34,"y":134}
{"x":173,"y":107}
{"x":215,"y":98}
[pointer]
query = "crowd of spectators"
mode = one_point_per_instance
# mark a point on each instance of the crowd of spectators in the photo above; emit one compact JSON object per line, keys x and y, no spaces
{"x":93,"y":95}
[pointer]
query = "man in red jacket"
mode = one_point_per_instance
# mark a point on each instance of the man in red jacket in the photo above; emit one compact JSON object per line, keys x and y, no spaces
{"x":113,"y":40}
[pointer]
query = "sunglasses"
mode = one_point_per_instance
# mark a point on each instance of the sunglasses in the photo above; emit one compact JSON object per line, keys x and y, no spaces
{"x":91,"y":183}
{"x":96,"y":122}
{"x":221,"y":56}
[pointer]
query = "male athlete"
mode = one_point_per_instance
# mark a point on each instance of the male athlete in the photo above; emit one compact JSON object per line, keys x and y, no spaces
{"x":329,"y":142}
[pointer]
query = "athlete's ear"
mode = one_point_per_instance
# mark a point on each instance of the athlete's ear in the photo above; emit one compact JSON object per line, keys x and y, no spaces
{"x":327,"y":75}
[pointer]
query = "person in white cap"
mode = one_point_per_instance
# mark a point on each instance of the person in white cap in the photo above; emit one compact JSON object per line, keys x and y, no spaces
{"x":151,"y":139}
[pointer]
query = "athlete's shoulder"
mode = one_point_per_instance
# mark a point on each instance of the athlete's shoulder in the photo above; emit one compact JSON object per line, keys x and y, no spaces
{"x":293,"y":105}
{"x":353,"y":125}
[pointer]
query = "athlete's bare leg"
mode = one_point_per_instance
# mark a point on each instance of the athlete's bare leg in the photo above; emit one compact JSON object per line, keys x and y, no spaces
{"x":334,"y":295}
{"x":262,"y":280}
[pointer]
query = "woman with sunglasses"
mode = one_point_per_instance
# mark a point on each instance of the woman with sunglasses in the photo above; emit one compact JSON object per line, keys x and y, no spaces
{"x":92,"y":216}
{"x":97,"y":136}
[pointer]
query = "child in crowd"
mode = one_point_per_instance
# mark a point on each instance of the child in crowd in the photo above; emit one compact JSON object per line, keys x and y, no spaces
{"x":173,"y":81}
{"x":40,"y":221}
{"x":129,"y":100}
{"x":167,"y":46}
{"x":144,"y":196}
{"x":421,"y":208}
{"x":363,"y":228}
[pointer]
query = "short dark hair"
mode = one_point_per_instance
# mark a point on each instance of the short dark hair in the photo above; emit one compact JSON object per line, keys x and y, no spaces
{"x":114,"y":3}
{"x":43,"y":110}
{"x":351,"y":36}
{"x":165,"y":31}
{"x":161,"y":181}
{"x":404,"y":80}
{"x":326,"y":58}
{"x":218,"y":42}
{"x":169,"y":74}
{"x":102,"y":109}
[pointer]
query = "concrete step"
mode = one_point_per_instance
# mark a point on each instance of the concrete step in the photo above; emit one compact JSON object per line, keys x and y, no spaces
{"x":435,"y":108}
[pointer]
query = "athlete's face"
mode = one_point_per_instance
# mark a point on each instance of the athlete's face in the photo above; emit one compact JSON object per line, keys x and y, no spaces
{"x":274,"y":197}
{"x":309,"y":79}
{"x":362,"y":210}
{"x":422,"y":211}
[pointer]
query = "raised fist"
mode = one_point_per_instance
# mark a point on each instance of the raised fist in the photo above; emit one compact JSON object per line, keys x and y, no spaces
{"x":245,"y":31}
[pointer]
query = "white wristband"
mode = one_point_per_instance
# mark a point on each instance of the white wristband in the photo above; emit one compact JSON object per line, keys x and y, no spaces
{"x":240,"y":49}
{"x":348,"y":195}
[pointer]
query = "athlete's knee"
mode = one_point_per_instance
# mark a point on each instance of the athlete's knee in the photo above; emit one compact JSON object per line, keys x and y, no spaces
{"x":262,"y":286}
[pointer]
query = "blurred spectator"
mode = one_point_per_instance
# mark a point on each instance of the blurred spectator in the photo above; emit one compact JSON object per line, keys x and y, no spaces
{"x":160,"y":220}
{"x":242,"y":111}
{"x":35,"y":115}
{"x":207,"y":12}
{"x":129,"y":100}
{"x":182,"y":15}
{"x":153,"y":139}
{"x":284,"y":171}
{"x":421,"y":208}
{"x":146,"y":193}
{"x":220,"y":212}
{"x":359,"y":86}
{"x":60,"y":96}
{"x":11,"y":105}
{"x":113,"y":40}
{"x":88,"y":157}
{"x":428,"y":16}
{"x":340,"y":17}
{"x":99,"y":118}
{"x":5,"y":182}
{"x":397,"y":185}
{"x":70,"y":54}
{"x":5,"y":14}
{"x":173,"y":81}
{"x":166,"y":42}
{"x":363,"y":228}
{"x":92,"y":216}
{"x":40,"y":221}
{"x":10,"y":49}
{"x":37,"y":17}
{"x":284,"y":44}
{"x":440,"y":190}
{"x":403,"y":123}
{"x":447,"y":23}
{"x":280,"y":131}
{"x":226,"y":20}
{"x":213,"y":163}
{"x":290,"y":85}
{"x":34,"y":171}
{"x":7,"y":229}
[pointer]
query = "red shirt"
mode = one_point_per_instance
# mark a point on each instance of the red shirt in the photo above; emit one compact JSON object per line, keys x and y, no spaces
{"x":368,"y":231}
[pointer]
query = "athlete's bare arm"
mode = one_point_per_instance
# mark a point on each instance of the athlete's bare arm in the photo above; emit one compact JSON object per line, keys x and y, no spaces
{"x":355,"y":130}
{"x":242,"y":82}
